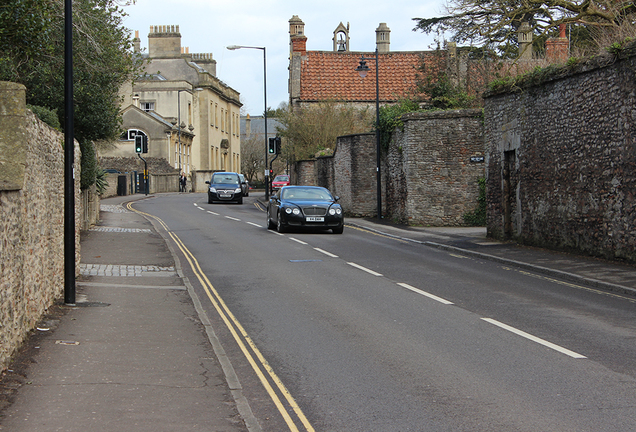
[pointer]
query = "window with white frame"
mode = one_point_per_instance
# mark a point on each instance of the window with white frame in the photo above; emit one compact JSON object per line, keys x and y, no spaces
{"x":130,"y":135}
{"x":147,"y":106}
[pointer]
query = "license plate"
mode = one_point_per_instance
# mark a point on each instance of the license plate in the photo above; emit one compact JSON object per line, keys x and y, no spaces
{"x":225,"y":195}
{"x":315,"y":219}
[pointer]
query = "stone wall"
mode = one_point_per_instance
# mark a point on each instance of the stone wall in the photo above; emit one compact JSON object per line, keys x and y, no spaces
{"x":304,"y":173}
{"x":31,"y":218}
{"x":350,"y":174}
{"x":562,"y":160}
{"x":354,"y":174}
{"x":429,"y":174}
{"x":434,"y":163}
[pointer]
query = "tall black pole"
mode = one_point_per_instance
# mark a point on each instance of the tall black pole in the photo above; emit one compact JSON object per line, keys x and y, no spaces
{"x":267,"y":179}
{"x":377,"y":134}
{"x":69,"y":159}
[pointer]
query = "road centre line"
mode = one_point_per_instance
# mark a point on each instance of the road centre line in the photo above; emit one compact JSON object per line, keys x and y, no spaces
{"x":233,"y":218}
{"x":297,"y":241}
{"x":211,"y":212}
{"x":364,"y":269}
{"x":326,"y":253}
{"x":255,"y":224}
{"x":535,"y":339}
{"x":424,"y":293}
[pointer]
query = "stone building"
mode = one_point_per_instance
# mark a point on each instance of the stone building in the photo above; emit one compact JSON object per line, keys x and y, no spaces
{"x":316,"y":76}
{"x":190,"y":117}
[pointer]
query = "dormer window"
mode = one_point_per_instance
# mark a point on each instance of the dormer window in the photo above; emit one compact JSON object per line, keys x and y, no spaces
{"x":147,"y":106}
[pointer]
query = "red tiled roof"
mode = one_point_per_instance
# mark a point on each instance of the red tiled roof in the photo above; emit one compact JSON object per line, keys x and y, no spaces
{"x":332,"y":76}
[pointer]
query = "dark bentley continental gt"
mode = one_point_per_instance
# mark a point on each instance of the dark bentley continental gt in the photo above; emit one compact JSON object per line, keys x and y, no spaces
{"x":304,"y":207}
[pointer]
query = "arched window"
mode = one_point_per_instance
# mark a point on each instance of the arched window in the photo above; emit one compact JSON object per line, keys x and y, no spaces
{"x":130,"y":135}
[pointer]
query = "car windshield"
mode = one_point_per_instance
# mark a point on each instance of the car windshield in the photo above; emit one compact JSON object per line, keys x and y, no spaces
{"x":300,"y":193}
{"x":231,"y":179}
{"x":281,"y":178}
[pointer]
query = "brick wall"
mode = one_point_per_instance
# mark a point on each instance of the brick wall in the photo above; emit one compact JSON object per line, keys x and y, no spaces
{"x":31,"y":218}
{"x":562,"y":160}
{"x":431,"y":179}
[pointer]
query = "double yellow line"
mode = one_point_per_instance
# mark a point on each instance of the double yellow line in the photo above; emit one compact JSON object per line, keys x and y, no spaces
{"x":235,"y":327}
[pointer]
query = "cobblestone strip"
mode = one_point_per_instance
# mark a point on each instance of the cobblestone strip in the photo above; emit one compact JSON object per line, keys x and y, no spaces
{"x":125,"y":270}
{"x":121,"y":230}
{"x":113,"y":209}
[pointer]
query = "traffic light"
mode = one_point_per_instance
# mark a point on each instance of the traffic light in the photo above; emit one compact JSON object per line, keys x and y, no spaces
{"x":141,"y":143}
{"x":274,"y":145}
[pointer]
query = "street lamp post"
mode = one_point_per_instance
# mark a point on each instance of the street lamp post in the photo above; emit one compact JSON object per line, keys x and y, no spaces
{"x":363,"y":69}
{"x":235,"y":47}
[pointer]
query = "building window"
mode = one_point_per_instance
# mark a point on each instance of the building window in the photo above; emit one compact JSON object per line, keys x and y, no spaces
{"x":147,"y":106}
{"x":216,"y":115}
{"x":130,"y":135}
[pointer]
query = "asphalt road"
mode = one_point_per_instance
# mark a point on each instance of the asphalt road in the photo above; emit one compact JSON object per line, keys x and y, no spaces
{"x":361,"y":332}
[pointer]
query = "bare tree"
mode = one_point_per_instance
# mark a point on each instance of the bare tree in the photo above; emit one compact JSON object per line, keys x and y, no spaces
{"x":252,"y":156}
{"x":314,"y":128}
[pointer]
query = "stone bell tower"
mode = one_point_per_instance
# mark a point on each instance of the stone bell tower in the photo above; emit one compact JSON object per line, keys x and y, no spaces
{"x":341,"y":38}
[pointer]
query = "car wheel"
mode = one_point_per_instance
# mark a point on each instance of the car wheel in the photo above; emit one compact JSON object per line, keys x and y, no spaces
{"x":279,"y":225}
{"x":240,"y":201}
{"x":338,"y":230}
{"x":270,"y":225}
{"x":210,"y":199}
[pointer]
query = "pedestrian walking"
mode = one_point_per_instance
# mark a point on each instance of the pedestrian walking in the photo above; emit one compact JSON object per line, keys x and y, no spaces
{"x":182,"y":182}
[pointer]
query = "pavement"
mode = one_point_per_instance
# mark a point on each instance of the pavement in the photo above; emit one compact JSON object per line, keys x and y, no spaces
{"x":137,"y":352}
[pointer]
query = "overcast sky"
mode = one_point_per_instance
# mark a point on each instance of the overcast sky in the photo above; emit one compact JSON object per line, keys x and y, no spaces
{"x":212,"y":25}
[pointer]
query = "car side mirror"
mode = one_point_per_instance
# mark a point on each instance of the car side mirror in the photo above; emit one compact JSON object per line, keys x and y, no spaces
{"x":207,"y":182}
{"x":336,"y":197}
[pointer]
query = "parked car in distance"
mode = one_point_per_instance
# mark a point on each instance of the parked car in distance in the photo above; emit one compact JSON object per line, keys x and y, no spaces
{"x":244,"y":185}
{"x":279,"y":181}
{"x":224,"y":187}
{"x":304,"y":207}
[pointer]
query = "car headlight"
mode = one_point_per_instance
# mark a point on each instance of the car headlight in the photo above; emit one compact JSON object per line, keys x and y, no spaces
{"x":213,"y":190}
{"x":237,"y":190}
{"x":334,"y":211}
{"x":295,"y":211}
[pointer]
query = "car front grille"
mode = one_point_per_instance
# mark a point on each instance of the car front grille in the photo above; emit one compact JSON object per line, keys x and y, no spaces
{"x":315,"y":211}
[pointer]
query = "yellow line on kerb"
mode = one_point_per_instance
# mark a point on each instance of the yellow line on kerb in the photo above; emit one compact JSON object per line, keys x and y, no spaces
{"x":233,"y":324}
